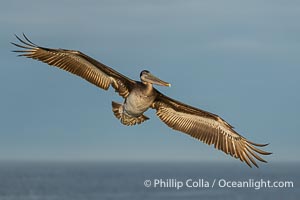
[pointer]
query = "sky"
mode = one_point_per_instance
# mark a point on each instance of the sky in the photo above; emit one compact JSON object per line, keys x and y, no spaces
{"x":237,"y":59}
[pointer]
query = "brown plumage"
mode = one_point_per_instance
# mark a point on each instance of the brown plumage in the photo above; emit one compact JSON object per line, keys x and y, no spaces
{"x":207,"y":127}
{"x":79,"y":64}
{"x":139,"y":96}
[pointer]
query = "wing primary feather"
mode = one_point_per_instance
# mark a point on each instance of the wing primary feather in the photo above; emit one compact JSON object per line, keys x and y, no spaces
{"x":21,"y":46}
{"x":251,"y":159}
{"x":26,"y":38}
{"x":31,"y":45}
{"x":226,"y":144}
{"x":258,"y":145}
{"x":258,"y":150}
{"x":246,"y":159}
{"x":255,"y":155}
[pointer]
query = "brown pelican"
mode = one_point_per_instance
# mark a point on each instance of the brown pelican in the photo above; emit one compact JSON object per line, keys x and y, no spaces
{"x":139,"y":96}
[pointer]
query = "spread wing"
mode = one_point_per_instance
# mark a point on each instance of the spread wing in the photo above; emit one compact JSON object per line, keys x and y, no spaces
{"x":79,"y":64}
{"x":207,"y":127}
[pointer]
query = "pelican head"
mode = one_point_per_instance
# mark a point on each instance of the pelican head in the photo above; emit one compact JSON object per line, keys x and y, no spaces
{"x":147,"y":77}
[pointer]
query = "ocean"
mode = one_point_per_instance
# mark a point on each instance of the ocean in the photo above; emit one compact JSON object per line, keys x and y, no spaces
{"x":149,"y":180}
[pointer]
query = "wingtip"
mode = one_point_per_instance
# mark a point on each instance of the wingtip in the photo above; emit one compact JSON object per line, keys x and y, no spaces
{"x":255,"y":164}
{"x":26,"y":38}
{"x":25,"y":41}
{"x":258,"y":145}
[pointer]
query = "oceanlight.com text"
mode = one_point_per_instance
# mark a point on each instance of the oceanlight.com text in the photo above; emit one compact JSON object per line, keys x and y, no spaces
{"x":219,"y":183}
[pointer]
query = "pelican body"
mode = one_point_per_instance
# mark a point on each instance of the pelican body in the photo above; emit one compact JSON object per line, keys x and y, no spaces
{"x":139,"y":100}
{"x":139,"y":96}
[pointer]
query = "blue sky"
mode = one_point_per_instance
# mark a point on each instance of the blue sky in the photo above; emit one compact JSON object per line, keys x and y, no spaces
{"x":237,"y":59}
